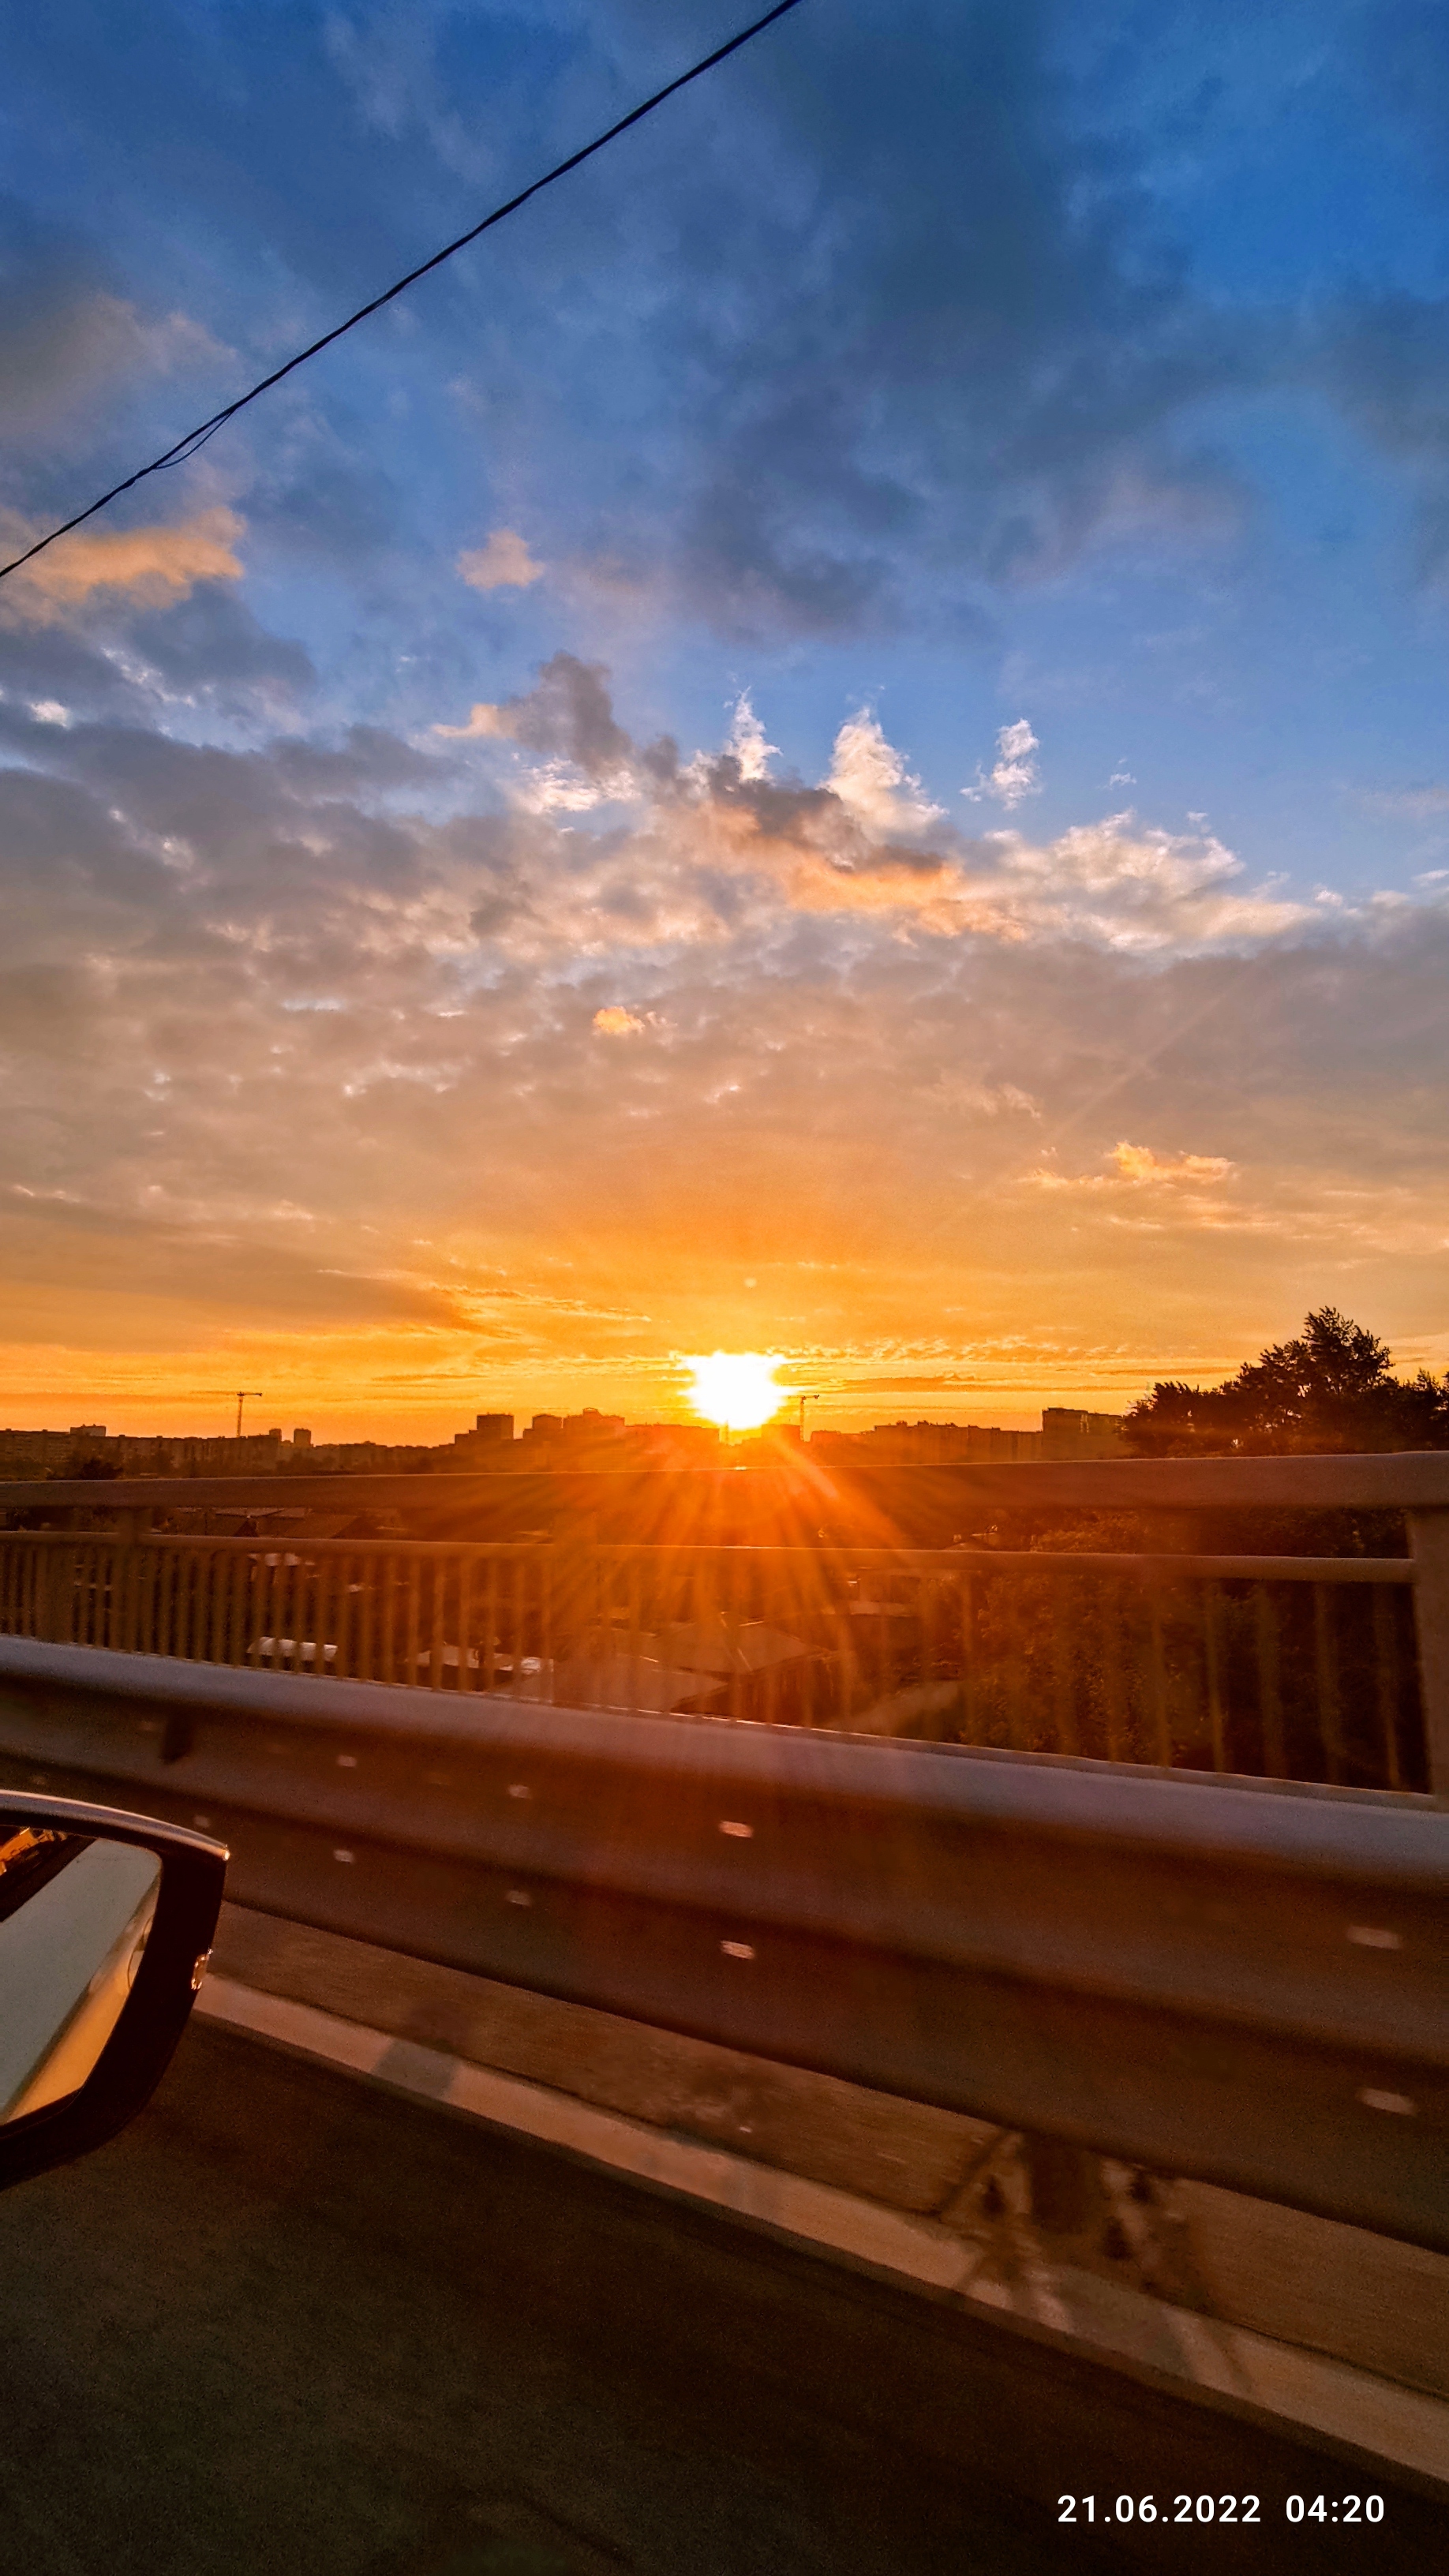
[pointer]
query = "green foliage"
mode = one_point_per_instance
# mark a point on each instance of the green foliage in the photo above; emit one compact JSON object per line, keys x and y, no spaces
{"x":1331,"y":1387}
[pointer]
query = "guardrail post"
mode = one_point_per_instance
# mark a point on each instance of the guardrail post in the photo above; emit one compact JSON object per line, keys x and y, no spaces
{"x":57,"y":1598}
{"x":1429,"y":1540}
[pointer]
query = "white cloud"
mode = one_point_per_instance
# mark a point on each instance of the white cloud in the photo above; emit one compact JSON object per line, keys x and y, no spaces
{"x":504,"y":563}
{"x":1014,"y":775}
{"x":869,"y":776}
{"x":747,"y":742}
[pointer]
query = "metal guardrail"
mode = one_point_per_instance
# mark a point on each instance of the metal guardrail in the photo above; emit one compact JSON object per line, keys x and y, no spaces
{"x":1238,"y":1981}
{"x":1287,"y":1667}
{"x":1395,"y":1480}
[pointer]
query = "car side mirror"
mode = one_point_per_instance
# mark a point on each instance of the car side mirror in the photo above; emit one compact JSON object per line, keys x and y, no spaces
{"x":106,"y":1925}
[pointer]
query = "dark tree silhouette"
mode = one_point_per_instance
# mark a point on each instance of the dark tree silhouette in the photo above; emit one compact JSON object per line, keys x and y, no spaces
{"x":1331,"y":1387}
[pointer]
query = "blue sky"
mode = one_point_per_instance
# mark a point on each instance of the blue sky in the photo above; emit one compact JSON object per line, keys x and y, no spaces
{"x":1039,"y":418}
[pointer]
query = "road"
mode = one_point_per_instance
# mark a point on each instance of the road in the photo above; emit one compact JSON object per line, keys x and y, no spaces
{"x":291,"y":2323}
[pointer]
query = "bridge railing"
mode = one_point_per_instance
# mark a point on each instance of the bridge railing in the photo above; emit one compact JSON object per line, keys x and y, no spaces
{"x":1312,"y":1668}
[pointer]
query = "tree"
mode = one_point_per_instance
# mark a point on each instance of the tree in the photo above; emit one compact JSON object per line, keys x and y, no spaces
{"x":1332,"y":1387}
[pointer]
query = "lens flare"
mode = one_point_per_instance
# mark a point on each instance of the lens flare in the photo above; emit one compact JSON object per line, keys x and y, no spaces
{"x":737,"y":1389}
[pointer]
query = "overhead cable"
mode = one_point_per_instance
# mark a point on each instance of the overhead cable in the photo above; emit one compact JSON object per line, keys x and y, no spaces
{"x":197,"y":438}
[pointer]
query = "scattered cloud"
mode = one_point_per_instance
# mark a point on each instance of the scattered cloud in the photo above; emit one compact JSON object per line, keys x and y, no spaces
{"x":1014,"y":775}
{"x":1137,"y":1167}
{"x":504,"y":563}
{"x":748,"y":745}
{"x":145,"y":567}
{"x":1416,"y":804}
{"x":872,"y":781}
{"x":614,"y":1021}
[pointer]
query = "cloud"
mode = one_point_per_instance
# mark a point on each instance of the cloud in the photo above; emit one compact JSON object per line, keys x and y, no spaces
{"x":1416,"y":804}
{"x":865,"y":843}
{"x":566,"y":716}
{"x":145,"y":567}
{"x":748,"y":746}
{"x":872,"y":780}
{"x":66,"y":330}
{"x":1138,"y":1167}
{"x":504,"y":563}
{"x":846,"y":1031}
{"x":1014,"y":775}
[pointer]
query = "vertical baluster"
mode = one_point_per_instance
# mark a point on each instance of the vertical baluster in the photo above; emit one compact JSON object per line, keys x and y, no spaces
{"x":1386,"y":1676}
{"x":414,"y":1622}
{"x":466,"y":1669}
{"x":331,"y":1598}
{"x":272,"y":1572}
{"x":1212,"y":1656}
{"x":1015,"y":1662}
{"x":1270,"y":1698}
{"x":378,"y":1602}
{"x":633,"y":1595}
{"x":1114,"y":1670}
{"x":732,"y":1626}
{"x":1157,"y":1665}
{"x":168,"y":1601}
{"x":549,"y":1629}
{"x":438,"y":1570}
{"x":299,"y":1622}
{"x":290,"y":1616}
{"x":1326,"y":1661}
{"x":391,"y":1606}
{"x":206,"y":1570}
{"x":845,"y":1650}
{"x":490,"y":1623}
{"x":969,"y":1694}
{"x":1065,"y":1604}
{"x":177,"y":1602}
{"x":233,"y":1567}
{"x":342,"y":1613}
{"x":216,"y":1572}
{"x":367,"y":1600}
{"x":148,"y":1576}
{"x":201,"y":1571}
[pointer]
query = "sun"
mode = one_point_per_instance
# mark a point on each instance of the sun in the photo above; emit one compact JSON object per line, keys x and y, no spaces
{"x":736,"y":1389}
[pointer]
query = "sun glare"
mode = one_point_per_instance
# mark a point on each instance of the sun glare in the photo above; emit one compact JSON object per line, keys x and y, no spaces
{"x":736,"y":1389}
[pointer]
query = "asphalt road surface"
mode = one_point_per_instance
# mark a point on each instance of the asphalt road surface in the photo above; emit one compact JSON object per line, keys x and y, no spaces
{"x":290,"y":2323}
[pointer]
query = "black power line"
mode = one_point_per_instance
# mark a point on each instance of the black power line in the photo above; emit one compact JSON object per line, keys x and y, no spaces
{"x":197,"y":438}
